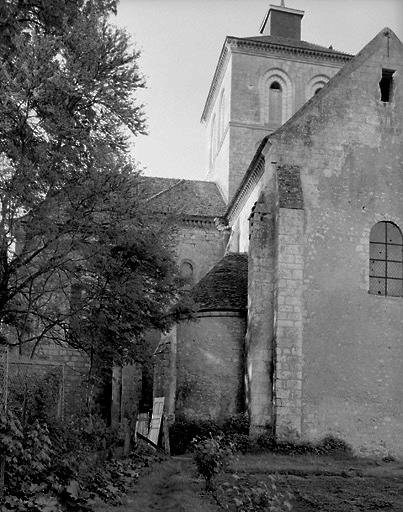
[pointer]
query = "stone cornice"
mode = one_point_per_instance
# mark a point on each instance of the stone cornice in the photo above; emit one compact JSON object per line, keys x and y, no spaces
{"x":232,"y":43}
{"x":252,"y":176}
{"x":199,"y":221}
{"x":288,"y":48}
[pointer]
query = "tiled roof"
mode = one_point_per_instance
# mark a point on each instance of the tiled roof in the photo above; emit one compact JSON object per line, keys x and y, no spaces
{"x":183,"y":197}
{"x":294,"y":43}
{"x":225,"y":287}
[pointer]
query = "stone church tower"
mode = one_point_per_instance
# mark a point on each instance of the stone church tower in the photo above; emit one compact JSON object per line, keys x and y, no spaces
{"x":259,"y":83}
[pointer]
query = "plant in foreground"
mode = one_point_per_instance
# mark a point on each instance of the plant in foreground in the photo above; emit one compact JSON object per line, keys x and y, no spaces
{"x":211,"y":455}
{"x":241,"y":495}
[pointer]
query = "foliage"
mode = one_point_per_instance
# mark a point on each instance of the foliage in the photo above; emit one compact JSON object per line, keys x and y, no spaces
{"x":84,"y":435}
{"x":81,"y":258}
{"x":184,"y":430}
{"x":211,"y":455}
{"x":10,"y":435}
{"x":234,"y":430}
{"x":329,"y":445}
{"x":333,"y":445}
{"x":35,"y":396}
{"x":111,"y":481}
{"x":240,"y":495}
{"x":61,"y":470}
{"x":236,"y":424}
{"x":30,"y":485}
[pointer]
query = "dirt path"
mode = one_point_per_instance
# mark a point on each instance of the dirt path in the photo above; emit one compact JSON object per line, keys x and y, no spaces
{"x":170,"y":486}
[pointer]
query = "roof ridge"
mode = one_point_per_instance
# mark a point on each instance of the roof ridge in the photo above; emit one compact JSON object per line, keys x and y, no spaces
{"x":183,"y":179}
{"x":165,"y":190}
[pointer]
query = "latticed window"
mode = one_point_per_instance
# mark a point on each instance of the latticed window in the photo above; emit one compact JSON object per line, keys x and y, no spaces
{"x":386,"y":260}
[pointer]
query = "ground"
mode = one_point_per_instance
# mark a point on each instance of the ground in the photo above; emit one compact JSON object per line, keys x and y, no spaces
{"x":328,"y":484}
{"x":169,"y":486}
{"x":318,"y":483}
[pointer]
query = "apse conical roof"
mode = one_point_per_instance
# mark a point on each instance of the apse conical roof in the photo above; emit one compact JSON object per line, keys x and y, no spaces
{"x":225,"y":287}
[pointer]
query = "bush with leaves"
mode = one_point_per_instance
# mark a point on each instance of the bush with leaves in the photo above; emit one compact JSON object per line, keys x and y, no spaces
{"x":212,"y":456}
{"x":62,"y":471}
{"x":239,"y":494}
{"x":30,"y":484}
{"x":184,"y":430}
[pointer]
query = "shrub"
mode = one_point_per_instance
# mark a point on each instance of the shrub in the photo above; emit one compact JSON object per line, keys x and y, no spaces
{"x":59,"y":471}
{"x":242,"y":495}
{"x":211,"y":455}
{"x":35,"y":397}
{"x":265,"y":441}
{"x":234,"y":428}
{"x":236,"y":424}
{"x":185,"y":430}
{"x":333,"y":445}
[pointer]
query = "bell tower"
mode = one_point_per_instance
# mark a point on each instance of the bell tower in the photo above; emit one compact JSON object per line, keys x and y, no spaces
{"x":260,"y":81}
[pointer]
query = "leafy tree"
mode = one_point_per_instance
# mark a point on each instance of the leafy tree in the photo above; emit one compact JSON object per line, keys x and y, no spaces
{"x":73,"y":221}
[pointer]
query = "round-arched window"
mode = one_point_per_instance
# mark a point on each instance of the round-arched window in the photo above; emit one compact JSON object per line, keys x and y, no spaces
{"x":386,"y":260}
{"x":275,"y":103}
{"x":186,"y":272}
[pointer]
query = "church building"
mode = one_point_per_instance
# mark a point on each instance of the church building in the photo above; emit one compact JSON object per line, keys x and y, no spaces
{"x":293,"y":246}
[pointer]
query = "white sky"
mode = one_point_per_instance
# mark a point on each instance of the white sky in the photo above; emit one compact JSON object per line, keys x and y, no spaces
{"x":181,"y":40}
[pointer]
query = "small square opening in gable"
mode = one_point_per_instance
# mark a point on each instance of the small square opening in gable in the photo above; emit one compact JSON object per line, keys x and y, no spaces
{"x":386,"y":85}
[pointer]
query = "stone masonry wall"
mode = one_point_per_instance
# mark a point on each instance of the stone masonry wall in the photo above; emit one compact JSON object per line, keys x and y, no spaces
{"x":201,"y":244}
{"x":210,"y":365}
{"x":259,"y":338}
{"x":76,"y":368}
{"x":348,"y":145}
{"x":288,"y":323}
{"x":247,"y":123}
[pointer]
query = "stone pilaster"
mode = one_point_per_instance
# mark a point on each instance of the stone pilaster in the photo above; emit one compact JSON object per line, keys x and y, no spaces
{"x":288,"y":323}
{"x":259,"y":337}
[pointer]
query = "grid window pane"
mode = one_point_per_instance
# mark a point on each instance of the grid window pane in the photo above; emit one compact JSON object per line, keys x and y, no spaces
{"x":393,"y":234}
{"x":394,"y":270}
{"x":386,"y":260}
{"x":377,"y":286}
{"x":395,"y":287}
{"x":377,"y":268}
{"x":378,"y":233}
{"x":377,"y":251}
{"x":395,"y":252}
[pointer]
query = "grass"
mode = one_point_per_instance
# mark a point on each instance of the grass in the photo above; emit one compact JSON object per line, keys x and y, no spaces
{"x":324,"y":483}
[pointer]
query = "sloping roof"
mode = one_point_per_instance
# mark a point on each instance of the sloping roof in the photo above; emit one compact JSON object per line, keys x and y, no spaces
{"x":294,"y":43}
{"x":183,"y":197}
{"x":225,"y":287}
